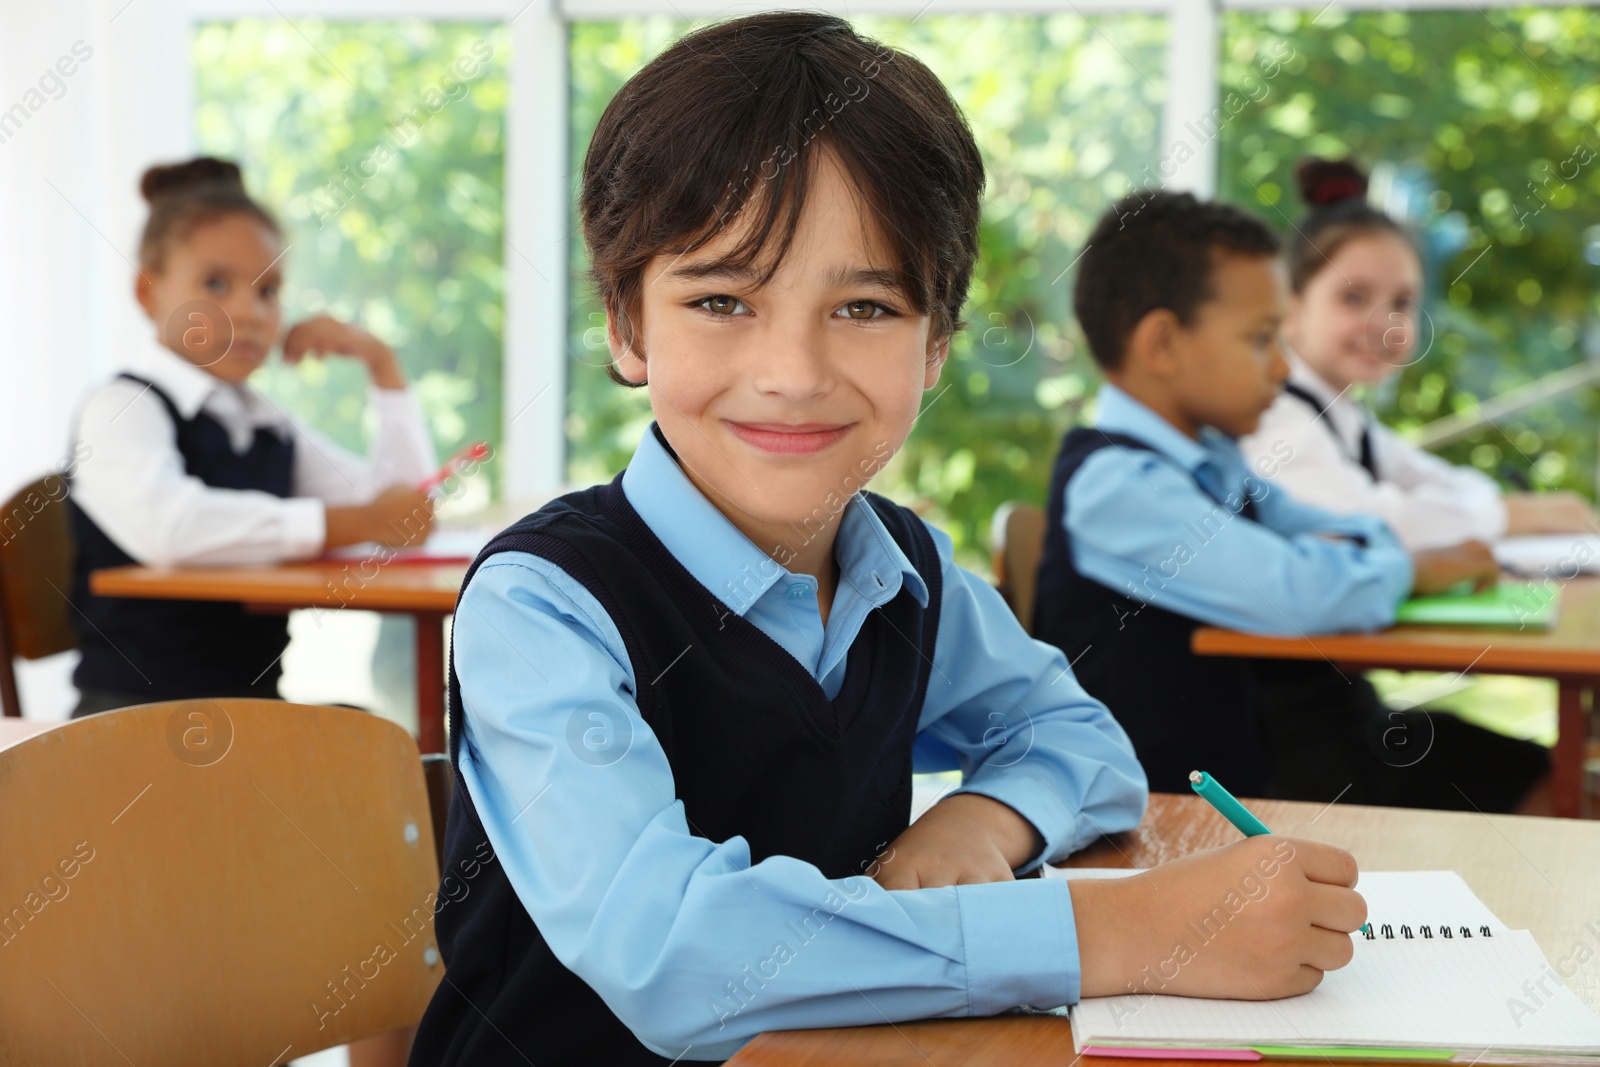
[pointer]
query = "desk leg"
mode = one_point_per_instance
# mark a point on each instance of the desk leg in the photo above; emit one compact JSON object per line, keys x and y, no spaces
{"x":430,"y":681}
{"x":1571,"y":741}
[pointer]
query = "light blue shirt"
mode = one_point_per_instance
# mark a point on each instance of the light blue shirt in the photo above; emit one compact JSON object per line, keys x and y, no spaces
{"x":694,"y":947}
{"x":1141,"y":524}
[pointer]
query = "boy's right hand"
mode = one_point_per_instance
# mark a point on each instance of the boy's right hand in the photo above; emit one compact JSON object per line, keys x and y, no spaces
{"x":1440,"y":569}
{"x":400,"y":515}
{"x":1256,"y":920}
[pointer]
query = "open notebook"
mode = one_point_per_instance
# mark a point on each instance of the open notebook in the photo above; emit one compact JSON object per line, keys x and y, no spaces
{"x":1552,"y":556}
{"x":1439,"y":978}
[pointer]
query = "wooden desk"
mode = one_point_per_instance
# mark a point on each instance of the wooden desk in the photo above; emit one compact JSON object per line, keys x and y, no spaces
{"x":14,"y":730}
{"x":1568,"y":653}
{"x":1535,"y":874}
{"x":425,"y":591}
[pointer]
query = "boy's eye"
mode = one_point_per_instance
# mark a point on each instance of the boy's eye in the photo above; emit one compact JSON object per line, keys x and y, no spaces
{"x":269,"y":292}
{"x":864,"y":310}
{"x":1355,"y":298}
{"x":216,"y":284}
{"x":722,"y":304}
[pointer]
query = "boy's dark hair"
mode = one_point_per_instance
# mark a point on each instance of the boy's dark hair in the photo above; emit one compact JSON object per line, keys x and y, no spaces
{"x":183,"y":196}
{"x":736,"y":115}
{"x":1155,"y":249}
{"x":1335,"y":192}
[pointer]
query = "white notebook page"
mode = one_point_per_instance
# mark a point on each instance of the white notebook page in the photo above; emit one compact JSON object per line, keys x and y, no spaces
{"x":1397,"y":994}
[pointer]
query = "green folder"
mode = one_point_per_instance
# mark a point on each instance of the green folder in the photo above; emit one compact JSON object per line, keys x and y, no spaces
{"x":1507,"y":606}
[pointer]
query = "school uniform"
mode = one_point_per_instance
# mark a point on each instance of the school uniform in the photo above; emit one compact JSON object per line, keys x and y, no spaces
{"x":1154,"y":534}
{"x":1330,"y":452}
{"x":681,"y":778}
{"x":183,"y":468}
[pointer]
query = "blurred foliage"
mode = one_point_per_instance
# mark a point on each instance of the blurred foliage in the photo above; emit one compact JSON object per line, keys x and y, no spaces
{"x":1459,"y":111}
{"x":1067,"y":112}
{"x":1480,"y":127}
{"x":380,"y":146}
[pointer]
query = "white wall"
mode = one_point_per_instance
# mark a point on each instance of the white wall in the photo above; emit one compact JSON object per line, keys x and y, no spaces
{"x":68,"y":180}
{"x":72,"y":153}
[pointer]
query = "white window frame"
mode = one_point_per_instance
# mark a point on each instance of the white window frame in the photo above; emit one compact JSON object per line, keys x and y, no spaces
{"x":537,"y":242}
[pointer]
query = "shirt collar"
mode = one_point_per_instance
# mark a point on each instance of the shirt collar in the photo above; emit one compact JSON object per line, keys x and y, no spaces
{"x":187,"y":385}
{"x":1117,"y":412}
{"x":1301,"y":374}
{"x":1342,"y":411}
{"x":728,"y":563}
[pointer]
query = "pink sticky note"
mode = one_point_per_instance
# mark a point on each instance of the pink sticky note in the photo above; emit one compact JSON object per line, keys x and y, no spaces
{"x":1173,"y":1053}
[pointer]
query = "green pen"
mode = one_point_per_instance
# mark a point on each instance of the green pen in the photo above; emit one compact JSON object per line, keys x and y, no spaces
{"x":1212,"y":792}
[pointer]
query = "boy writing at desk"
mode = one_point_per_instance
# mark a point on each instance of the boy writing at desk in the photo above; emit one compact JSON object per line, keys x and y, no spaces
{"x":1158,"y":526}
{"x":684,"y":702}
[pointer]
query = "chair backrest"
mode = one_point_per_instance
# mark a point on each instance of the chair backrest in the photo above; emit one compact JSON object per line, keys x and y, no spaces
{"x":213,"y":881}
{"x":35,"y":578}
{"x":1017,"y":540}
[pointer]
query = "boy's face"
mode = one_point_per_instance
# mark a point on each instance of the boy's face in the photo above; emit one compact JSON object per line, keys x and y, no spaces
{"x":1228,"y":366}
{"x":215,"y":300}
{"x":781,"y":401}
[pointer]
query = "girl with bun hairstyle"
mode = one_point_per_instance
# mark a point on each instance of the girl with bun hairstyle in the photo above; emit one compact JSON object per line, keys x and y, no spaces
{"x":1355,"y":279}
{"x":189,"y":465}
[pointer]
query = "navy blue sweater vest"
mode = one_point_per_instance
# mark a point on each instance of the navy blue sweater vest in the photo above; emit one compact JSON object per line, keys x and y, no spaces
{"x":756,"y":748}
{"x":177,"y":649}
{"x":1182,"y":711}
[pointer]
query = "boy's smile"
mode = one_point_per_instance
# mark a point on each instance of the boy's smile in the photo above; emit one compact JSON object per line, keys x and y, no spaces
{"x":805,"y":437}
{"x":782,"y":399}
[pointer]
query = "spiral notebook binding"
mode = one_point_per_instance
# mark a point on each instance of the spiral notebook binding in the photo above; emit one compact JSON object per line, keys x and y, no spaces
{"x":1386,"y":931}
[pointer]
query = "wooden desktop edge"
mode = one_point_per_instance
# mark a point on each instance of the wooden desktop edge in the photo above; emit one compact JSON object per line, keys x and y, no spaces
{"x":1395,"y":650}
{"x":295,"y":585}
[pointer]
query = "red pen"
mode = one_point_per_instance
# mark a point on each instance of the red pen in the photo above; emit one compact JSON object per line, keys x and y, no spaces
{"x":479,"y":451}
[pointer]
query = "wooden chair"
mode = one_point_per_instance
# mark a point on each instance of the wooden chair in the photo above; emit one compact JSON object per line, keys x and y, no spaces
{"x":1017,"y":539}
{"x":213,"y":881}
{"x":35,"y":576}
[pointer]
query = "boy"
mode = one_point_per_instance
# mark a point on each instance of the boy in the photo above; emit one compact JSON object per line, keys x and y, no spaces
{"x":1158,"y":526}
{"x":684,"y":703}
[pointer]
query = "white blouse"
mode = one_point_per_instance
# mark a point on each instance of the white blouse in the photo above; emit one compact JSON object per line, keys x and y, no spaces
{"x":132,"y":481}
{"x":1427,"y":502}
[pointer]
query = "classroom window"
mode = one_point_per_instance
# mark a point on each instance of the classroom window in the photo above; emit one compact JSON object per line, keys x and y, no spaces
{"x":1480,"y":129}
{"x":1066,"y":110}
{"x":380,"y":147}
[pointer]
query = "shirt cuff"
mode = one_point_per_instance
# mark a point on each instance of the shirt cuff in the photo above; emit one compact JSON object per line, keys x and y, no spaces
{"x":1021,"y":945}
{"x":1036,"y":802}
{"x":399,"y":400}
{"x":395,"y":403}
{"x":305,"y":527}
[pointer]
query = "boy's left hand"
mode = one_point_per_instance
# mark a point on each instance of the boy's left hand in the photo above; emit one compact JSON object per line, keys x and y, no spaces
{"x":962,"y":840}
{"x":323,"y":335}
